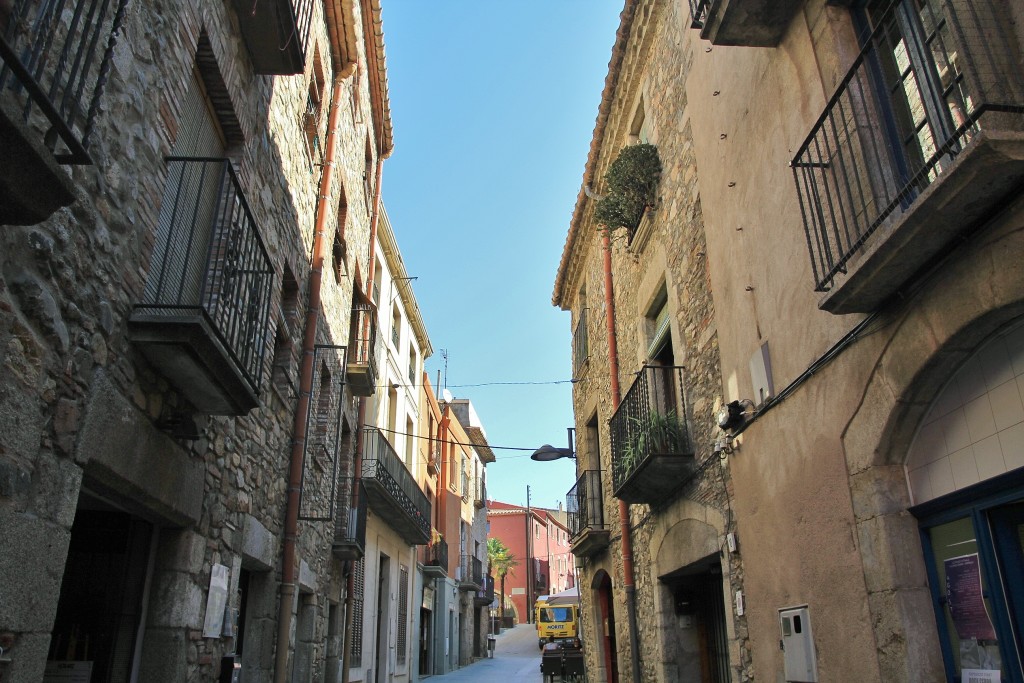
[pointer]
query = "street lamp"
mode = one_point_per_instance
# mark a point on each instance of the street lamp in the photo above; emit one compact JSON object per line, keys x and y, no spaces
{"x":547,"y":452}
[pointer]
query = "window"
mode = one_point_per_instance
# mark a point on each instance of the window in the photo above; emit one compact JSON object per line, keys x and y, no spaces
{"x":378,"y":273}
{"x":412,"y":365}
{"x":580,"y":341}
{"x":368,"y":178}
{"x":409,"y":438}
{"x":921,"y":84}
{"x":638,"y":129}
{"x":313,"y":111}
{"x":403,"y":615}
{"x":339,"y":255}
{"x":358,"y":592}
{"x":396,"y":326}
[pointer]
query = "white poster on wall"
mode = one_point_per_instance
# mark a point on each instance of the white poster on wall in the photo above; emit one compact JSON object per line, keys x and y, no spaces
{"x":216,"y":601}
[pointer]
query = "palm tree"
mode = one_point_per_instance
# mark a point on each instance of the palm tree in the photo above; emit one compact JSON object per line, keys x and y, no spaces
{"x":501,"y":560}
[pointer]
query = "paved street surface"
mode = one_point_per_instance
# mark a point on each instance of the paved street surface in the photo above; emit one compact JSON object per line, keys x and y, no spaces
{"x":516,"y":660}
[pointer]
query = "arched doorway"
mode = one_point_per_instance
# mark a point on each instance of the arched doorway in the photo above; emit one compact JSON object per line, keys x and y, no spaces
{"x":965,"y":470}
{"x":608,"y":656}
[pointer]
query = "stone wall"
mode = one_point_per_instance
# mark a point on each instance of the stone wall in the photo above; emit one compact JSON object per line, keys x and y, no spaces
{"x":667,"y":254}
{"x":81,"y":407}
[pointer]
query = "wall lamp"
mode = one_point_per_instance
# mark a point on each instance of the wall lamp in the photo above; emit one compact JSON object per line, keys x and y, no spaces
{"x":734,"y":414}
{"x":547,"y":452}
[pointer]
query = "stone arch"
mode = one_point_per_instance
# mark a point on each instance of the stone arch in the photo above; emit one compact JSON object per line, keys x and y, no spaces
{"x":690,"y":540}
{"x":974,"y":296}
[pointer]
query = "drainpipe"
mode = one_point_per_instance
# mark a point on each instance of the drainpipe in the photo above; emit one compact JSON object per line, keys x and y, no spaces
{"x":627,"y":540}
{"x":291,"y":523}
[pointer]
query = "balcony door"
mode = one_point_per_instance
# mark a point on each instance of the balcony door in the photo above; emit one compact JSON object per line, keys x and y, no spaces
{"x":919,"y":85}
{"x":187,"y":209}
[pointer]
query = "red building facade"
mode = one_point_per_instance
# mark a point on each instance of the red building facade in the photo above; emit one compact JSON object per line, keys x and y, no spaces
{"x":540,"y":545}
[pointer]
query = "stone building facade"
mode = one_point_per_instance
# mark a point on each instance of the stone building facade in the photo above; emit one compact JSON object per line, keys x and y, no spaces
{"x":163,"y":512}
{"x":838,"y":229}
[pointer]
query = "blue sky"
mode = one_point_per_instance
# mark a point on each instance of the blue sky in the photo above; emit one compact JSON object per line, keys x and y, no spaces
{"x":493,"y":105}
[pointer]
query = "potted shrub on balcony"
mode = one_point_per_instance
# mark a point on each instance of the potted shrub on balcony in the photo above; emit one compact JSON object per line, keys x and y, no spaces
{"x":632,"y":181}
{"x":658,"y":434}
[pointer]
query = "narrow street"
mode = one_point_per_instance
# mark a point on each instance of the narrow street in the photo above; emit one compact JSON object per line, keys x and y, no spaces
{"x":516,"y":660}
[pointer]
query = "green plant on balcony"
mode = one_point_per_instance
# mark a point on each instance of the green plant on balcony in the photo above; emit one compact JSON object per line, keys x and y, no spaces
{"x":658,"y":433}
{"x":632,"y":181}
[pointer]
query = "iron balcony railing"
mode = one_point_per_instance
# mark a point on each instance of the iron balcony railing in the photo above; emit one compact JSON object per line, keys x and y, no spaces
{"x":277,"y":33}
{"x":584,"y":504}
{"x":437,"y":554}
{"x":350,"y":520}
{"x":699,"y":10}
{"x":580,"y":343}
{"x":364,"y":345}
{"x":392,"y":489}
{"x":910,"y":103}
{"x":480,"y":496}
{"x":650,"y":421}
{"x":485,"y":595}
{"x":471,"y":570}
{"x":55,"y":63}
{"x":465,"y":486}
{"x":210,"y":260}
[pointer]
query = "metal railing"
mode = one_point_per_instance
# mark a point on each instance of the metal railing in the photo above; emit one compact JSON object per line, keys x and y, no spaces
{"x":350,"y":520}
{"x":486,"y":594}
{"x":580,"y":343}
{"x":650,"y":420}
{"x":908,"y":106}
{"x":55,"y":63}
{"x":480,"y":496}
{"x":584,"y":504}
{"x":437,"y":554}
{"x":364,"y":345}
{"x":465,"y":486}
{"x":699,"y":11}
{"x":382,"y":465}
{"x":471,"y":570}
{"x":323,"y":434}
{"x":209,"y":259}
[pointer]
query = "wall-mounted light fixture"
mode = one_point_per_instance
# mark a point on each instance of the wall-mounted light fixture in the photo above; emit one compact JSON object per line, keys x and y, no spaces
{"x":734,"y":414}
{"x":547,"y":452}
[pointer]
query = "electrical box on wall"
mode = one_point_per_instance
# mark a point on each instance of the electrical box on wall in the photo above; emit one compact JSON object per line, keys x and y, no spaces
{"x":800,"y":665}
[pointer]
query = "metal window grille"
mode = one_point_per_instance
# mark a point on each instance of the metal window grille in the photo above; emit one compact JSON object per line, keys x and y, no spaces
{"x":323,"y":434}
{"x":55,"y":63}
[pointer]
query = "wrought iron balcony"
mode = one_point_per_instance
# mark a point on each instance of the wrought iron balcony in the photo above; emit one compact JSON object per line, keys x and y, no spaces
{"x":276,"y":33}
{"x":580,"y":344}
{"x":471,"y":573}
{"x":436,"y":558}
{"x":480,"y":496}
{"x":485,"y":596}
{"x":433,"y":459}
{"x":584,"y":506}
{"x":349,"y":523}
{"x":364,"y":350}
{"x":651,"y":449}
{"x":392,"y":490}
{"x":54,"y":63}
{"x":754,"y":23}
{"x":920,"y":143}
{"x":203,"y":318}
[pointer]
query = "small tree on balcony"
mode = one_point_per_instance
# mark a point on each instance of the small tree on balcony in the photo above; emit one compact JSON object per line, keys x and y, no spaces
{"x":632,"y":181}
{"x":501,"y":560}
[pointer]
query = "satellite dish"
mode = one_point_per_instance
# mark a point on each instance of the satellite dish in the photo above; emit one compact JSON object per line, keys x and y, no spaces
{"x":447,"y":395}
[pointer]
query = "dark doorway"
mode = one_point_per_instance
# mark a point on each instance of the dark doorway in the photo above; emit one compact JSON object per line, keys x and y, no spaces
{"x":606,"y":626}
{"x":101,"y":598}
{"x":701,"y":642}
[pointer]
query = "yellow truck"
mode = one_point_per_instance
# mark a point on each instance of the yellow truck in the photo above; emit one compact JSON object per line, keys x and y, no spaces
{"x":557,"y":619}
